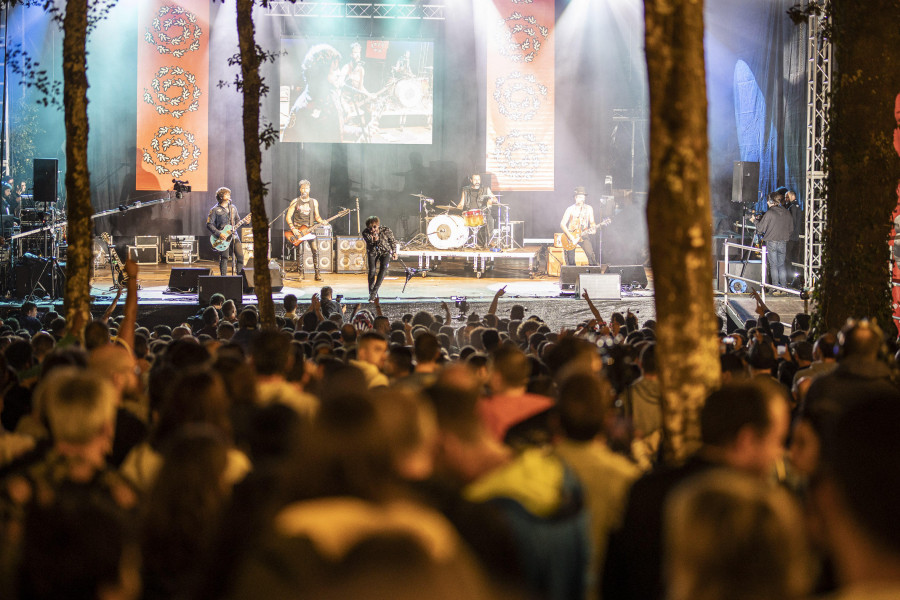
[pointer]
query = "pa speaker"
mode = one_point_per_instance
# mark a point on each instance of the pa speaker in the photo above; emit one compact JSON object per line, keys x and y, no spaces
{"x":326,"y":260}
{"x":633,"y":275}
{"x":274,"y":273}
{"x":568,"y":275}
{"x":45,"y":179}
{"x":745,"y":183}
{"x":351,"y":254}
{"x":607,"y":286}
{"x":184,"y":279}
{"x":230,"y":286}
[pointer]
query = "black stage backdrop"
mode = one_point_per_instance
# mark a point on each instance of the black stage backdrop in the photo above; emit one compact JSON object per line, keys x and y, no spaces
{"x":599,"y":68}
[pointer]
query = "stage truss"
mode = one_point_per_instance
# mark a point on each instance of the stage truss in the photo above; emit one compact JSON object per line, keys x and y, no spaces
{"x":818,"y":106}
{"x":357,"y":10}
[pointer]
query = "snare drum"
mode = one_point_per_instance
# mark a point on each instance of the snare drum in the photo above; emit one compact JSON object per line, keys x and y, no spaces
{"x":473,"y":218}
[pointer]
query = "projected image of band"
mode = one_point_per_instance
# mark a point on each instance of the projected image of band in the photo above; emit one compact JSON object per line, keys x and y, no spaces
{"x":356,"y":91}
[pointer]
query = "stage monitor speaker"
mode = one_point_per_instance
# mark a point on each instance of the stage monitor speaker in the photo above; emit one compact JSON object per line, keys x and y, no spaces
{"x":274,"y":273}
{"x":745,"y":183}
{"x":184,"y":279}
{"x":606,"y":286}
{"x":326,"y":256}
{"x":568,"y":275}
{"x":230,"y":286}
{"x":351,"y":254}
{"x":45,"y":179}
{"x":631,"y":274}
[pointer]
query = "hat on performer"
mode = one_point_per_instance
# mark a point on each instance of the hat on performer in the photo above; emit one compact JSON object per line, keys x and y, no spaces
{"x":579,"y":191}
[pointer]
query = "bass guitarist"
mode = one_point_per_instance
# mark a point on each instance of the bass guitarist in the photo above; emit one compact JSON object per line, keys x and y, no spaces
{"x":221,"y":216}
{"x":577,"y":223}
{"x":302,"y":215}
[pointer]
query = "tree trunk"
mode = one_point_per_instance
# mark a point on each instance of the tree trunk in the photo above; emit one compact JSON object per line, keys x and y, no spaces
{"x":679,"y":219}
{"x":862,"y":164}
{"x":78,"y":179}
{"x":251,"y":87}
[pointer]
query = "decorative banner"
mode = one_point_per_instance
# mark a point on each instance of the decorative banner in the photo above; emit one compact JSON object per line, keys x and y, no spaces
{"x":521,"y":94}
{"x":173,"y":94}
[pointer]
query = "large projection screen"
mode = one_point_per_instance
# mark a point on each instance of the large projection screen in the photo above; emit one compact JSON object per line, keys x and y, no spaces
{"x":356,"y":91}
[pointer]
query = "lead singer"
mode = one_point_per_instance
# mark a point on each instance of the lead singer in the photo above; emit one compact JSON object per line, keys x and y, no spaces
{"x":380,"y":249}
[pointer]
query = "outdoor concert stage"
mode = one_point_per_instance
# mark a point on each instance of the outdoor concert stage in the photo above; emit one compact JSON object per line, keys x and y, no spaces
{"x":454,"y":282}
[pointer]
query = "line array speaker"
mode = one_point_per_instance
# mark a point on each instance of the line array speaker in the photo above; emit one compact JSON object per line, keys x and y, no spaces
{"x":45,"y":179}
{"x":745,"y":182}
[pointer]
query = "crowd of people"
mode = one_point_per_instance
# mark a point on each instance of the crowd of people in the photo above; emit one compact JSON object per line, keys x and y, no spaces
{"x":347,"y":454}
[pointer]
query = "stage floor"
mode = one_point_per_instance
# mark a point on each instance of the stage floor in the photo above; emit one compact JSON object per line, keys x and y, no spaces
{"x":540,"y":296}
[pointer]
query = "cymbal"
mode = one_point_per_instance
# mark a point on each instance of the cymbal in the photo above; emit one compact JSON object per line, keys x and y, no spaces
{"x":419,"y":195}
{"x":446,"y":207}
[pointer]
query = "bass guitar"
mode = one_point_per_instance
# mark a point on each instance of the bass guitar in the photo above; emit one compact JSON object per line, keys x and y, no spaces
{"x":121,"y":277}
{"x":222,"y":245}
{"x":578,"y":235}
{"x":307,"y":232}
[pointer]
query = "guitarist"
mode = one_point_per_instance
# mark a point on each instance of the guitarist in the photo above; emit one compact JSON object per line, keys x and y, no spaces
{"x":303,"y":212}
{"x":577,"y":218}
{"x":220,"y":216}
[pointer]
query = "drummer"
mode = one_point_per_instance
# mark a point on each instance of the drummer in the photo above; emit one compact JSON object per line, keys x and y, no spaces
{"x":476,"y":197}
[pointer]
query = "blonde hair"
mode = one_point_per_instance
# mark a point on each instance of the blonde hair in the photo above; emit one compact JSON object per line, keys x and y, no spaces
{"x":731,"y":536}
{"x":79,"y":404}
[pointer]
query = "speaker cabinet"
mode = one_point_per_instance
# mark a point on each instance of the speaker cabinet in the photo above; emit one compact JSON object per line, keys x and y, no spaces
{"x":230,"y":286}
{"x":184,"y":279}
{"x":568,"y":276}
{"x":605,"y":286}
{"x":556,"y":259}
{"x":274,"y":273}
{"x":34,"y":276}
{"x":745,"y":183}
{"x":630,"y":274}
{"x":326,"y":256}
{"x":351,"y":254}
{"x":45,"y":179}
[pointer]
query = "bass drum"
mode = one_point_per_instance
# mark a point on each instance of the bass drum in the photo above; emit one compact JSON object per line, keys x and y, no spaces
{"x":409,"y":92}
{"x":447,"y":231}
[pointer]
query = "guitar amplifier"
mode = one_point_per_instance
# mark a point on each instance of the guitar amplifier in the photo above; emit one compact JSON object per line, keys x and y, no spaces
{"x":324,"y":231}
{"x":351,"y":254}
{"x":326,"y":256}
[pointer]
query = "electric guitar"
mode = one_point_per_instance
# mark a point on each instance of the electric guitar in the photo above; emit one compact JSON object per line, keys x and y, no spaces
{"x":307,"y":232}
{"x":578,"y":235}
{"x":121,"y":277}
{"x":222,"y":245}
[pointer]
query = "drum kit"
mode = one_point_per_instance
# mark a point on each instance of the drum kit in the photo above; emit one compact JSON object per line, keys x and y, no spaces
{"x":441,"y":229}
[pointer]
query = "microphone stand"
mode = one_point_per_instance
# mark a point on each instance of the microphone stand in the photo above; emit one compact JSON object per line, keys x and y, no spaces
{"x":410,"y":272}
{"x":282,"y":215}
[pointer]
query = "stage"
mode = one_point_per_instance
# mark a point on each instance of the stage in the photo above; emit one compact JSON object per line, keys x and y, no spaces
{"x":451,"y":281}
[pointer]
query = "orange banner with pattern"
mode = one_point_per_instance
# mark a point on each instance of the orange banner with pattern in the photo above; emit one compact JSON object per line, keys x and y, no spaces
{"x":520,"y":93}
{"x":173,"y":94}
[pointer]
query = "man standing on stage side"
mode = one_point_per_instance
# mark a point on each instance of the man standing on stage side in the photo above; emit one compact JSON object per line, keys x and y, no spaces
{"x":380,"y":249}
{"x":477,"y":197}
{"x":775,"y":228}
{"x":578,"y":218}
{"x":220,"y":216}
{"x":304,"y":211}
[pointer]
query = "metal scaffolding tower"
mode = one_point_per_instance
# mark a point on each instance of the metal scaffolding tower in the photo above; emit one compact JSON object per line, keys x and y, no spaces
{"x":818,"y":105}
